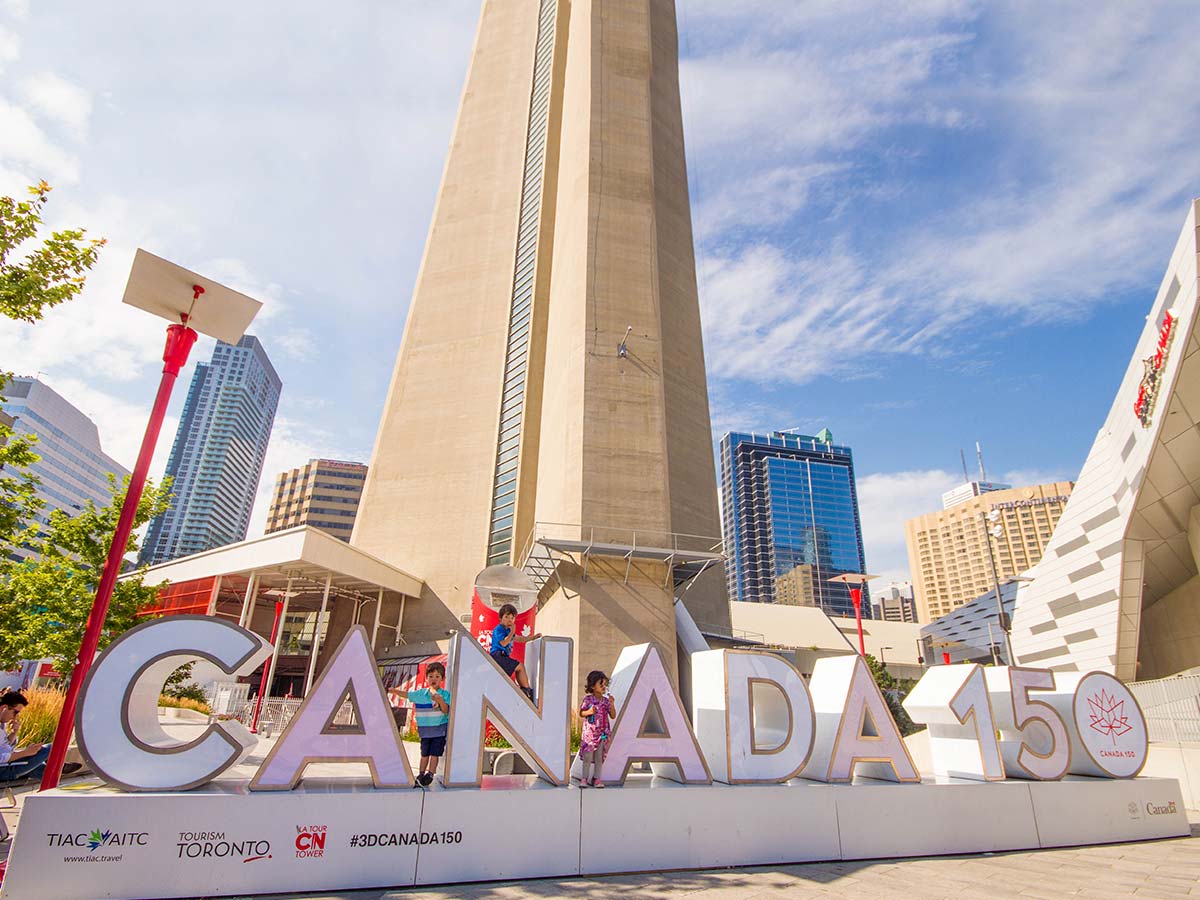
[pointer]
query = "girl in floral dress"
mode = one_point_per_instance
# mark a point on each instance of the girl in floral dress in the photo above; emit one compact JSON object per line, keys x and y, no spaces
{"x":597,"y":710}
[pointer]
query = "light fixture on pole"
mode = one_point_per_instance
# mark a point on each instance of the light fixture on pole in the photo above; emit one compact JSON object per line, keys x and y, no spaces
{"x":882,"y":661}
{"x":996,"y":530}
{"x":856,"y":581}
{"x":193,"y":305}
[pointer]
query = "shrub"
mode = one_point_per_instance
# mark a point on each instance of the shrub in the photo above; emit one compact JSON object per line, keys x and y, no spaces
{"x":39,"y":719}
{"x":184,"y":703}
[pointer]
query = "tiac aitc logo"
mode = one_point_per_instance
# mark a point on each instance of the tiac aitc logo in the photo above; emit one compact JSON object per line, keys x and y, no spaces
{"x":96,"y":838}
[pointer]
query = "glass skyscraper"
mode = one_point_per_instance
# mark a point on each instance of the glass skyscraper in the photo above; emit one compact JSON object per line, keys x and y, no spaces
{"x":790,"y":520}
{"x":217,"y":458}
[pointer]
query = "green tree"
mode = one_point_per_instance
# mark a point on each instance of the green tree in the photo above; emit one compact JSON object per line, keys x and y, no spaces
{"x":53,"y":271}
{"x":893,"y":692}
{"x":19,"y":502}
{"x":45,"y":600}
{"x":34,"y":276}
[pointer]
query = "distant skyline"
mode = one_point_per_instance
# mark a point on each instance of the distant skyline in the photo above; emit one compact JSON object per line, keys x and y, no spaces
{"x":914,"y":222}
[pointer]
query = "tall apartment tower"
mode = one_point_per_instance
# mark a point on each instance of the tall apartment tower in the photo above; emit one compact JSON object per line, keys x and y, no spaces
{"x":948,"y":551}
{"x":72,"y":467}
{"x":217,"y":458}
{"x":791,"y":520}
{"x":324,"y":494}
{"x":552,"y":369}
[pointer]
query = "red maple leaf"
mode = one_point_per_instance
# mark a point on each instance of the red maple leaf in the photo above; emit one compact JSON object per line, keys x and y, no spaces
{"x":1108,"y":715}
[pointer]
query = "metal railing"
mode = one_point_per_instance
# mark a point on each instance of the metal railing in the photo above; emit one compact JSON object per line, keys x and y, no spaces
{"x":632,"y":538}
{"x":1171,"y":707}
{"x":277,"y":712}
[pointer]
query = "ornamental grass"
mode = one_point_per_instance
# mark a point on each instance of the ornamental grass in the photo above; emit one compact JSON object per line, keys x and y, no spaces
{"x":184,"y":703}
{"x":39,"y":719}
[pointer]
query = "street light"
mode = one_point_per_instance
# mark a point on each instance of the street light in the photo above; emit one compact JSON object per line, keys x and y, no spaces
{"x":856,"y":581}
{"x":192,"y":305}
{"x":882,"y":661}
{"x":996,"y":531}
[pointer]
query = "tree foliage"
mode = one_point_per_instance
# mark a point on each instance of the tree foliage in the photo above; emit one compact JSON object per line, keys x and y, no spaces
{"x":19,"y":502}
{"x":52,"y":272}
{"x":894,"y":693}
{"x":45,"y":600}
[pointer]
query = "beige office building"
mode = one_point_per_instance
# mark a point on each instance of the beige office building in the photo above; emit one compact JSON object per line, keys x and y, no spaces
{"x":549,"y":407}
{"x":948,"y":549}
{"x":324,"y":494}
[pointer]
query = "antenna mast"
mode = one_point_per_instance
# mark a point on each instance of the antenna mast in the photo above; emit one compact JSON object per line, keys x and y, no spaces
{"x":979,"y":454}
{"x":963,"y":457}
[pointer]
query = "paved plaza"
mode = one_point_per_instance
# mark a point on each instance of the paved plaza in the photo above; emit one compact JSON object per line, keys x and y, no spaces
{"x":1155,"y":870}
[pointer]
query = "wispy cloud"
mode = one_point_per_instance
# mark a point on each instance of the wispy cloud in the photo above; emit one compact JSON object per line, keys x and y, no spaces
{"x":1087,"y":116}
{"x":886,"y":502}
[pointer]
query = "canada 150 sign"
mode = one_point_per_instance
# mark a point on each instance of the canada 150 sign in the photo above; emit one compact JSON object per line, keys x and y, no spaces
{"x":754,"y":718}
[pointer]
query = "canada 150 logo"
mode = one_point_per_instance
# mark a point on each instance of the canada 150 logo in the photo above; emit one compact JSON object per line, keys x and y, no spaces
{"x":1107,"y":717}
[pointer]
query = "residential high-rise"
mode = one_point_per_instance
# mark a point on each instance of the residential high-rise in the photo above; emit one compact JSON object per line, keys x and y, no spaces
{"x":790,"y":516}
{"x":217,"y":458}
{"x":72,"y":467}
{"x":551,"y":371}
{"x":323,"y":494}
{"x":948,"y":550}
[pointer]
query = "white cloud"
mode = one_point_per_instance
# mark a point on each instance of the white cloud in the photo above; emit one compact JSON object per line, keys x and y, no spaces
{"x":26,"y":147}
{"x":10,"y":47}
{"x":60,"y":100}
{"x":762,"y":199}
{"x":1088,"y":119}
{"x":297,"y":343}
{"x":17,"y":9}
{"x":886,"y":502}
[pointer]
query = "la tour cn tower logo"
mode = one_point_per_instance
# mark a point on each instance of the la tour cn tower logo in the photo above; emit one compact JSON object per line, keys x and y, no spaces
{"x":1143,"y":407}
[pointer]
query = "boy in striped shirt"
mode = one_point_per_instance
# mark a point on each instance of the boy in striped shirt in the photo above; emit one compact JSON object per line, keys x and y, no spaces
{"x":432,"y":707}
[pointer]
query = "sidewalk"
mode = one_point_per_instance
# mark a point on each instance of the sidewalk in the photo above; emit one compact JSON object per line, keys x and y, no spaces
{"x":1158,"y":870}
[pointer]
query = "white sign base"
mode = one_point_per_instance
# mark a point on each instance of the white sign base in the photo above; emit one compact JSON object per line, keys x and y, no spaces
{"x":334,"y":835}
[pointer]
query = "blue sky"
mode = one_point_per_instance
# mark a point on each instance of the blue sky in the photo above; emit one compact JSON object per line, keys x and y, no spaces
{"x":918,"y":224}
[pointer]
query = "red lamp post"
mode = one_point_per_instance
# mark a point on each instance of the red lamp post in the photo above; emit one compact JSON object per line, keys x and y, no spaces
{"x":262,"y":684}
{"x":173,"y":293}
{"x":855,"y":581}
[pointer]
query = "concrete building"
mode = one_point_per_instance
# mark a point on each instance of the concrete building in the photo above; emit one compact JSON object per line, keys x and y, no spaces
{"x":971,"y":489}
{"x":790,"y":519}
{"x":951,"y":553}
{"x":973,"y":632}
{"x":1117,"y":589}
{"x":324,"y":494}
{"x":804,"y":635}
{"x":894,"y":603}
{"x":549,"y":403}
{"x":73,"y":467}
{"x":217,"y":458}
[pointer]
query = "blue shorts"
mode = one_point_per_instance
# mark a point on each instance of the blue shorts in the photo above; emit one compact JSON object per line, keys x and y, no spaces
{"x":505,"y":662}
{"x":433,"y":746}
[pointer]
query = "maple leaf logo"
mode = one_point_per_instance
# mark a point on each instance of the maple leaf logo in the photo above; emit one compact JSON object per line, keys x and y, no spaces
{"x":1108,"y":716}
{"x":526,"y":631}
{"x":97,"y":838}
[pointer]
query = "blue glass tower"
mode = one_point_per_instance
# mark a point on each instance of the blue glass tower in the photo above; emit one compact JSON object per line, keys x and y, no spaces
{"x":217,"y":458}
{"x":789,"y":513}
